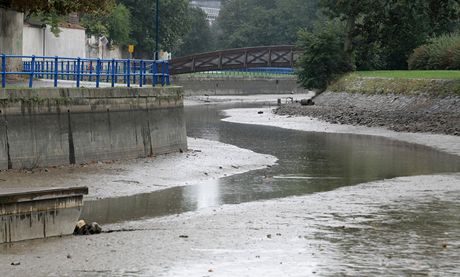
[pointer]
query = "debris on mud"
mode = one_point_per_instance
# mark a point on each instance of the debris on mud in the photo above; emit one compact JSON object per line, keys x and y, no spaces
{"x":83,"y":229}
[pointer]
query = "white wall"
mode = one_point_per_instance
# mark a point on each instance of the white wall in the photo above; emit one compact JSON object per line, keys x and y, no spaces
{"x":96,"y":49}
{"x":70,"y":43}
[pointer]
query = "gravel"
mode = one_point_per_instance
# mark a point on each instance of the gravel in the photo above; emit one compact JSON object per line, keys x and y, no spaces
{"x":402,"y":113}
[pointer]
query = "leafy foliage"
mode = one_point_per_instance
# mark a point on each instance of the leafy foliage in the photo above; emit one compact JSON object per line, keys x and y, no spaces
{"x":116,"y":25}
{"x":323,"y":56}
{"x":58,"y":7}
{"x":441,"y":53}
{"x":173,"y":24}
{"x":244,"y":23}
{"x":199,"y":39}
{"x":386,"y":32}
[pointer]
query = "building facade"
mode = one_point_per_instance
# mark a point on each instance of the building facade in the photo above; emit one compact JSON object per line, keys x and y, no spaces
{"x":210,"y":7}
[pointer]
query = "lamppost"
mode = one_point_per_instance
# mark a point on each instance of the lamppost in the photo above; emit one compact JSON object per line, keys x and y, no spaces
{"x":157,"y":37}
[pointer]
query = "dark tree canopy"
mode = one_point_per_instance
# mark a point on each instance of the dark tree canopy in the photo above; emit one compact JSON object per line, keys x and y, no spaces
{"x":244,"y":23}
{"x":173,"y":24}
{"x":391,"y":29}
{"x":199,"y":39}
{"x":115,"y":24}
{"x":61,"y":7}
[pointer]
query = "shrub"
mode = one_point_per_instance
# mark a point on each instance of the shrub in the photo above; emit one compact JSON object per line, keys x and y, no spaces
{"x":323,"y":58}
{"x":419,"y":58}
{"x":440,"y":53}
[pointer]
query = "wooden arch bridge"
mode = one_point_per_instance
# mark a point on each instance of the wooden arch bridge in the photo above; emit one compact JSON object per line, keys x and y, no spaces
{"x":241,"y":58}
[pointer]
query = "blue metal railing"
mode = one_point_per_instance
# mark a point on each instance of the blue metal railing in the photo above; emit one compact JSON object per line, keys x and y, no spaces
{"x":265,"y":70}
{"x":112,"y":71}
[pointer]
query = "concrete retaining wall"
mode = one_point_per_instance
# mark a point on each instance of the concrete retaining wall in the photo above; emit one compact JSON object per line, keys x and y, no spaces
{"x":237,"y":86}
{"x":39,"y":214}
{"x":42,"y":42}
{"x":44,"y":127}
{"x":11,"y":23}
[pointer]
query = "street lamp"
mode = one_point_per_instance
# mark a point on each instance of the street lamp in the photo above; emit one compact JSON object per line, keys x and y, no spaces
{"x":157,"y":53}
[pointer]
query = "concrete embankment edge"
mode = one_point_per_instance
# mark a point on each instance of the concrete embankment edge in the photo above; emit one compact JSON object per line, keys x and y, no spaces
{"x":401,"y":86}
{"x":197,"y":86}
{"x":46,"y":127}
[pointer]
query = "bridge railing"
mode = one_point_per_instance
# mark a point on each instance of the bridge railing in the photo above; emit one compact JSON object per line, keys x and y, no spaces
{"x":110,"y":71}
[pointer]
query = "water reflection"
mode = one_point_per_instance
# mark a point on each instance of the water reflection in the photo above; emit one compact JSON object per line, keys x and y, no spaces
{"x":308,"y":163}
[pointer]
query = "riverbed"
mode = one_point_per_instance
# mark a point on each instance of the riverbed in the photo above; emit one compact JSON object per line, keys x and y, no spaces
{"x":320,"y":203}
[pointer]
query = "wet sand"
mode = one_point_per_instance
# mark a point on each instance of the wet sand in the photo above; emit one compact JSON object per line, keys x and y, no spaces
{"x":400,"y":226}
{"x":206,"y":160}
{"x":393,"y":227}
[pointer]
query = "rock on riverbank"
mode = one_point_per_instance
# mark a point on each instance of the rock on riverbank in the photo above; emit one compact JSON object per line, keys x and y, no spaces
{"x":406,"y":113}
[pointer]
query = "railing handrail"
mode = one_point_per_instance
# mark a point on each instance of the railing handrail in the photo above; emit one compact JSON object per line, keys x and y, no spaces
{"x":86,"y":69}
{"x":83,"y":59}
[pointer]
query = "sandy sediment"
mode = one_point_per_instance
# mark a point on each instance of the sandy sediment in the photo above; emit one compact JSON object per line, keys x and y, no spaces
{"x":391,"y":227}
{"x":205,"y":160}
{"x":401,"y":226}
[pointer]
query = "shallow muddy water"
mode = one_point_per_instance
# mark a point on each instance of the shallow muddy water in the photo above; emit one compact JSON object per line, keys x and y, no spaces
{"x":352,"y":217}
{"x":308,"y":162}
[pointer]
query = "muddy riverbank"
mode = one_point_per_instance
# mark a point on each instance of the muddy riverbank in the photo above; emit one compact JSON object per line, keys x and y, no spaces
{"x":343,"y":226}
{"x":402,"y":113}
{"x":404,"y":226}
{"x":205,"y":160}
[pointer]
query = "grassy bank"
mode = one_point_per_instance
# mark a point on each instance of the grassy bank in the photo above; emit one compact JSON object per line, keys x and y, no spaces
{"x":436,"y":83}
{"x":411,"y":74}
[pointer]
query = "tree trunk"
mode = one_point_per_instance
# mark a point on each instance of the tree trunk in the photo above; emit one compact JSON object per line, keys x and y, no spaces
{"x":11,"y":26}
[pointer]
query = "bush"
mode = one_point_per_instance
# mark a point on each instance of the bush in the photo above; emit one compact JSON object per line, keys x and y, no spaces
{"x":441,"y":53}
{"x":323,"y":58}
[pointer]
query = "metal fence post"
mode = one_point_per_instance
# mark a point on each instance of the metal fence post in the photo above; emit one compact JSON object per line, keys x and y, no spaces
{"x":116,"y":72}
{"x":167,"y":72}
{"x":162,"y":73}
{"x":145,"y":73}
{"x":56,"y":64}
{"x":154,"y":73}
{"x":32,"y":69}
{"x":113,"y":72}
{"x":68,"y":70}
{"x":128,"y":81}
{"x":78,"y":72}
{"x":141,"y":71}
{"x":90,"y":71}
{"x":82,"y":70}
{"x":107,"y":72}
{"x":98,"y":72}
{"x":3,"y":70}
{"x":134,"y":71}
{"x":124,"y":71}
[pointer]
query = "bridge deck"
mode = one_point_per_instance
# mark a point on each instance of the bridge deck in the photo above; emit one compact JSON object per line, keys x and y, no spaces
{"x":241,"y":58}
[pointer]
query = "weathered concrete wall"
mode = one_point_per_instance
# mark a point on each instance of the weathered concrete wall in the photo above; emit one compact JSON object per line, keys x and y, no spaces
{"x":11,"y":23}
{"x":43,"y":127}
{"x":69,"y":43}
{"x":39,"y":214}
{"x":237,"y":86}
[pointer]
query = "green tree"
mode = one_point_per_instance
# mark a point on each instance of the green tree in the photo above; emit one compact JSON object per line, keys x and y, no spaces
{"x":323,"y":57}
{"x":61,"y":7}
{"x":173,"y":24}
{"x":115,"y":25}
{"x":386,"y":32}
{"x":199,"y":39}
{"x":244,"y":23}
